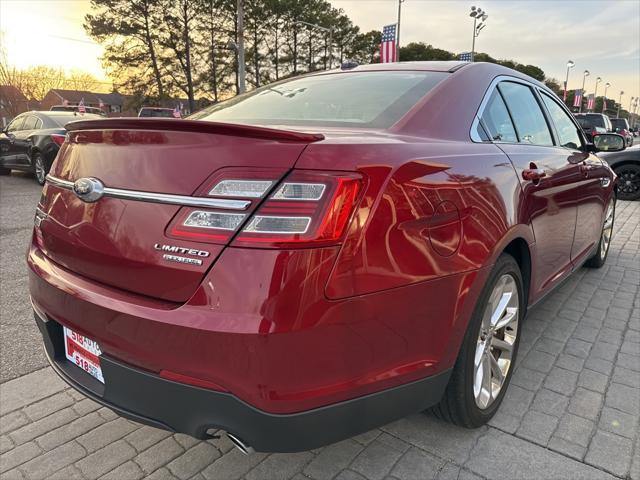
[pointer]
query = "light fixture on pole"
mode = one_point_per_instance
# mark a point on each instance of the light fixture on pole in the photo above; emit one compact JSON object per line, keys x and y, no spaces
{"x":584,"y":78}
{"x":570,"y":65}
{"x":477,"y":14}
{"x":604,"y":100}
{"x":619,"y":103}
{"x":595,"y":93}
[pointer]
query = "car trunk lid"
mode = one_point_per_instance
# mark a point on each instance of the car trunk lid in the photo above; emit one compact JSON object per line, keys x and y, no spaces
{"x":151,"y":170}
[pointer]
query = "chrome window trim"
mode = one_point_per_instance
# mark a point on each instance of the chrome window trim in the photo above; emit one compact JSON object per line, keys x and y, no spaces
{"x":164,"y":198}
{"x":537,"y":89}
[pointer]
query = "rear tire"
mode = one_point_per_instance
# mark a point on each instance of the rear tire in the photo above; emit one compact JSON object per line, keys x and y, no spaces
{"x":600,"y":256}
{"x":470,"y":400}
{"x":40,"y":168}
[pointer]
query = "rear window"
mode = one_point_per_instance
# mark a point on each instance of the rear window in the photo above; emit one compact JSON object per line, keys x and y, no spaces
{"x":359,"y":99}
{"x":619,"y":123}
{"x":155,"y":112}
{"x":62,"y":120}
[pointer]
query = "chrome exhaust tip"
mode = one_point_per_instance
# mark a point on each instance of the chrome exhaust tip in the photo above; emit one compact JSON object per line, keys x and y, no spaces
{"x":240,"y":445}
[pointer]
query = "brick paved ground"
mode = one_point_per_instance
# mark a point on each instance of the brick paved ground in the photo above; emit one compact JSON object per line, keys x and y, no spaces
{"x":571,"y":411}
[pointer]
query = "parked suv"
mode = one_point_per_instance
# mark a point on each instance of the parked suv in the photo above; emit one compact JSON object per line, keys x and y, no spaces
{"x":318,"y":257}
{"x":621,"y":126}
{"x":594,"y":124}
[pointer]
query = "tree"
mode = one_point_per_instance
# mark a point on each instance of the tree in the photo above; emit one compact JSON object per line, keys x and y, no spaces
{"x":419,"y":51}
{"x":129,"y":30}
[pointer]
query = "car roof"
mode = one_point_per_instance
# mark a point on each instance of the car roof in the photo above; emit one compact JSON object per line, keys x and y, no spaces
{"x":442,"y":66}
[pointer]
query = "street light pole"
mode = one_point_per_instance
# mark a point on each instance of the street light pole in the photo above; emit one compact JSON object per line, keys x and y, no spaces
{"x":604,"y":100}
{"x":619,"y":103}
{"x":584,"y":78}
{"x":595,"y":93}
{"x":477,"y":13}
{"x":400,"y":2}
{"x":241,"y":66}
{"x":324,"y":29}
{"x":570,"y":65}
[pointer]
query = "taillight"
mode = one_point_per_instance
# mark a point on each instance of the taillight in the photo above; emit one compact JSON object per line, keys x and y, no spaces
{"x":308,"y":208}
{"x":58,"y":139}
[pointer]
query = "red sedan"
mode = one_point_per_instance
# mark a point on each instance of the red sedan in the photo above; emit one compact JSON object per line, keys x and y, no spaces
{"x":317,"y":257}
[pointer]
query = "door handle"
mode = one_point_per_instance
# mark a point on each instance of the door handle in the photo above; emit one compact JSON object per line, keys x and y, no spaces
{"x":534,"y":174}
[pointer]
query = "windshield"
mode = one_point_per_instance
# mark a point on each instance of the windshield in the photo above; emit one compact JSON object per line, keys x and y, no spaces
{"x":358,"y":99}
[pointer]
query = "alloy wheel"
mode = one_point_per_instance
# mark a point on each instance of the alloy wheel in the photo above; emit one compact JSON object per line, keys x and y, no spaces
{"x":607,"y":230}
{"x":40,"y":169}
{"x":628,"y":182}
{"x":496,"y":341}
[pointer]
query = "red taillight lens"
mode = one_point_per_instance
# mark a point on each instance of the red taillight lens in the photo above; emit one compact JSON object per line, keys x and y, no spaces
{"x":58,"y":139}
{"x":307,"y":209}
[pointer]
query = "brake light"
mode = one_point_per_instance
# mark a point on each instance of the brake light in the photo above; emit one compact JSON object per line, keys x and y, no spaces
{"x":307,"y":209}
{"x":58,"y":139}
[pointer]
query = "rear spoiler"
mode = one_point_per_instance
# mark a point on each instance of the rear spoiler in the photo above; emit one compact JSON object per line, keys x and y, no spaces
{"x":203,"y":126}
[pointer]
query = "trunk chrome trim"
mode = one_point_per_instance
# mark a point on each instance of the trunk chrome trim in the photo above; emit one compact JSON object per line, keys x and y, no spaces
{"x":165,"y":198}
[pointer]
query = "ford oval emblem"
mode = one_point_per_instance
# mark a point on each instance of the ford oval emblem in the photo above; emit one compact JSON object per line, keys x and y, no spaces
{"x":88,"y":189}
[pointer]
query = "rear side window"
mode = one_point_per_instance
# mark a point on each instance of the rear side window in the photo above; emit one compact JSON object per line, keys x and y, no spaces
{"x":358,"y":99}
{"x":528,"y":118}
{"x":567,"y":131}
{"x":30,"y":123}
{"x":497,"y":121}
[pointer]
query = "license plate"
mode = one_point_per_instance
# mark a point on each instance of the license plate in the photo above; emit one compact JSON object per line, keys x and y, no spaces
{"x":84,"y":352}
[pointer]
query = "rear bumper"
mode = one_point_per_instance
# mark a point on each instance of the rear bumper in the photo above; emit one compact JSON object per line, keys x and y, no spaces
{"x":155,"y":401}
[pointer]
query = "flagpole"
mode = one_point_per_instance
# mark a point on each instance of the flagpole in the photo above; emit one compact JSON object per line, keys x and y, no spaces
{"x":398,"y":32}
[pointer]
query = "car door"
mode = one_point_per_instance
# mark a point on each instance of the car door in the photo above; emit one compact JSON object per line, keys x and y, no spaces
{"x":549,"y":176}
{"x":22,"y":140}
{"x":592,"y":186}
{"x":7,"y":140}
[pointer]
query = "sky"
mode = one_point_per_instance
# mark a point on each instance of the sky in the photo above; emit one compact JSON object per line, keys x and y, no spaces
{"x":602,"y":36}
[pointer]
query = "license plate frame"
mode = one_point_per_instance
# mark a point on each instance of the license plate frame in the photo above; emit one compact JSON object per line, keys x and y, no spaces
{"x":83,"y":352}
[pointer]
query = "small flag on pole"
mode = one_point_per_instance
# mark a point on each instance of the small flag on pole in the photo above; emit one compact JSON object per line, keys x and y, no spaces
{"x":101,"y":104}
{"x":388,"y":51}
{"x":81,"y":108}
{"x":591,"y":102}
{"x":176,"y":112}
{"x":465,"y":57}
{"x":577,"y":99}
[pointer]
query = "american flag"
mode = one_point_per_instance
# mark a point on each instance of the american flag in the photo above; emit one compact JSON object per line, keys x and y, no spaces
{"x":176,"y":112}
{"x":577,"y":99}
{"x":590,"y":102}
{"x":81,"y":108}
{"x":465,"y":57}
{"x":388,"y":50}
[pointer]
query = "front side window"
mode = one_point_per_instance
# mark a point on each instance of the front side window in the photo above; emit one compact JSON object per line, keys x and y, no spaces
{"x":567,"y":131}
{"x":16,"y":124}
{"x":528,"y":118}
{"x":497,"y":121}
{"x":358,"y":99}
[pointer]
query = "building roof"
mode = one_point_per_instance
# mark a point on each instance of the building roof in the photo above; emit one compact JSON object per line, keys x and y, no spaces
{"x":11,"y":93}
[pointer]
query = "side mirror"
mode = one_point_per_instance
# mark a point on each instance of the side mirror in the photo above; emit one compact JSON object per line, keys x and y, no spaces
{"x":609,"y":142}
